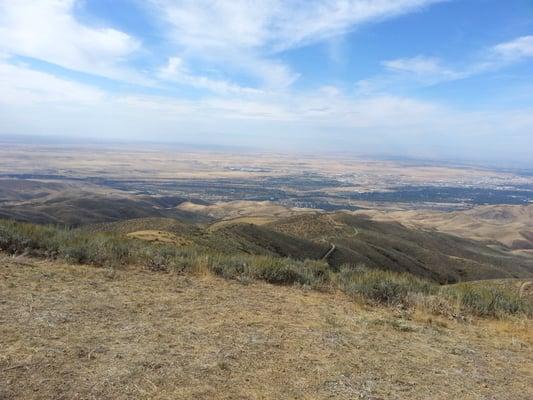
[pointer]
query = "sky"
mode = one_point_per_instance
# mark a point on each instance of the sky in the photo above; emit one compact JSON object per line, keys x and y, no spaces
{"x":432,"y":79}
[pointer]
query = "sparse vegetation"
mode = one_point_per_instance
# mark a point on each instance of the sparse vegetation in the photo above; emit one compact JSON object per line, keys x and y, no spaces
{"x":372,"y":285}
{"x":384,"y":287}
{"x":282,"y":271}
{"x":488,"y":301}
{"x":80,"y":332}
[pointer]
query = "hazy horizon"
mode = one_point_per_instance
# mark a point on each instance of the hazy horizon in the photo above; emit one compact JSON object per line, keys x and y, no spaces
{"x":421,"y":79}
{"x":239,"y":149}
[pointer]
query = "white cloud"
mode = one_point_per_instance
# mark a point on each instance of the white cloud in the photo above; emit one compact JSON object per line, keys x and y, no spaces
{"x":24,"y":86}
{"x":232,"y":38}
{"x":516,"y":49}
{"x":26,"y":89}
{"x":419,"y":65}
{"x":241,"y":36}
{"x":273,"y":24}
{"x":176,"y":71}
{"x":47,"y":30}
{"x":325,"y":118}
{"x":431,"y":70}
{"x":246,"y":35}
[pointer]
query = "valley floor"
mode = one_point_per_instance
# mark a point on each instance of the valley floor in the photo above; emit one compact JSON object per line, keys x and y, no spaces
{"x":92,"y":333}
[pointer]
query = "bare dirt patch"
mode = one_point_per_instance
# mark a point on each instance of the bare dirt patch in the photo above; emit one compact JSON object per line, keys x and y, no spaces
{"x":159,"y":236}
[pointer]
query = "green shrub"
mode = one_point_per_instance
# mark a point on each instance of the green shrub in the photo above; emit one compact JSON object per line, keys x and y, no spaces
{"x":281,"y":271}
{"x":487,"y":301}
{"x":18,"y":238}
{"x":229,"y":267}
{"x":74,"y":246}
{"x":381,"y":286}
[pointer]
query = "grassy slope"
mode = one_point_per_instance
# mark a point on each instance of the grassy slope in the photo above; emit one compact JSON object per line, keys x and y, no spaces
{"x":510,"y":225}
{"x":267,"y":264}
{"x":432,"y":255}
{"x":84,"y":332}
{"x":227,"y":238}
{"x":93,"y":208}
{"x":389,"y":245}
{"x":429,"y":254}
{"x":171,"y":225}
{"x":256,"y":239}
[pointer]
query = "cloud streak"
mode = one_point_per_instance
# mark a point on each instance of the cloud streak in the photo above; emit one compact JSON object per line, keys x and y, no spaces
{"x":276,"y":25}
{"x":177,"y":71}
{"x":431,"y":70}
{"x":47,"y":30}
{"x":515,"y":50}
{"x":247,"y":36}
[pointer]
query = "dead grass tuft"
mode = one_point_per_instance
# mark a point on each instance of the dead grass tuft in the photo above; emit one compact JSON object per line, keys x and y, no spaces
{"x":142,"y":335}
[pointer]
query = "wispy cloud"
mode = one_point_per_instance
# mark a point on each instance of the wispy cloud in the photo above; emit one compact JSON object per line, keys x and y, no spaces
{"x":177,"y":71}
{"x":231,"y":37}
{"x":514,"y":50}
{"x":430,"y":70}
{"x":247,"y":36}
{"x":47,"y":30}
{"x":240,"y":59}
{"x":326,"y":118}
{"x":420,"y":66}
{"x":24,"y":86}
{"x":274,"y":24}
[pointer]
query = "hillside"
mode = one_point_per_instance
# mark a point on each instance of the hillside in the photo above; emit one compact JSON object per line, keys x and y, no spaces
{"x":508,"y":225}
{"x":132,"y":334}
{"x":128,"y":226}
{"x":340,"y":239}
{"x":240,"y":208}
{"x":75,"y":203}
{"x":390,"y":245}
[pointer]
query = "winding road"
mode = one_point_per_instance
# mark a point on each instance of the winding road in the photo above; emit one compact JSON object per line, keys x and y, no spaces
{"x":333,"y":246}
{"x":328,"y":253}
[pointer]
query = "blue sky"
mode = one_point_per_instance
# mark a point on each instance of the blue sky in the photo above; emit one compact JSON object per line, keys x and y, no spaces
{"x":419,"y":78}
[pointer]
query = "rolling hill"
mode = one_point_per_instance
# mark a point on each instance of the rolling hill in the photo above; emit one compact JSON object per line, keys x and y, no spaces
{"x":390,"y":245}
{"x":444,"y":247}
{"x":344,"y":239}
{"x":507,"y":225}
{"x":73,"y":203}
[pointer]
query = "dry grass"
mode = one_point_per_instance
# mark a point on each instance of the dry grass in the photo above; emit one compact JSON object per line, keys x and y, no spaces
{"x":95,"y":333}
{"x":240,"y":220}
{"x":506,"y":224}
{"x":242,"y":208}
{"x":160,"y":236}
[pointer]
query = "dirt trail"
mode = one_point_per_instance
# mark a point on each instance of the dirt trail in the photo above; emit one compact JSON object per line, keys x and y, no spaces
{"x":330,"y":251}
{"x":333,"y":246}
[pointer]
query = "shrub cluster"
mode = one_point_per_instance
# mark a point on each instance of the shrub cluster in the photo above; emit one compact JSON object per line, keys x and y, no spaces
{"x":373,"y":285}
{"x":382,"y":286}
{"x":487,"y":301}
{"x":283,"y":271}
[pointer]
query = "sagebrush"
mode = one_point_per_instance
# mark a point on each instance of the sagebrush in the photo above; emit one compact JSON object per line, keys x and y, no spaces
{"x":372,"y":285}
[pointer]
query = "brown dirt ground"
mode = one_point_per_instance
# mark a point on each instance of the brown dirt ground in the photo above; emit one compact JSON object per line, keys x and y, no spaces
{"x":80,"y":332}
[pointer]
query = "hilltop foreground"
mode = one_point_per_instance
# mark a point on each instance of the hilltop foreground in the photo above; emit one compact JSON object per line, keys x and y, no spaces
{"x":75,"y":331}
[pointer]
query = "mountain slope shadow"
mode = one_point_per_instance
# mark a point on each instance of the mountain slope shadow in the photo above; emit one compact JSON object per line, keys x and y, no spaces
{"x":389,"y":245}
